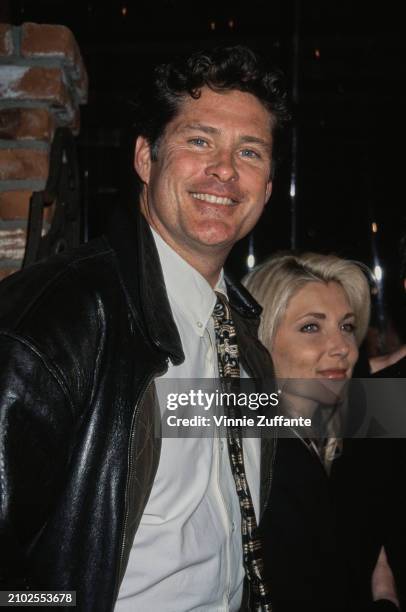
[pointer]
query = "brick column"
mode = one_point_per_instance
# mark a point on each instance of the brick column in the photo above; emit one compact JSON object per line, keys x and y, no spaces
{"x":43,"y":82}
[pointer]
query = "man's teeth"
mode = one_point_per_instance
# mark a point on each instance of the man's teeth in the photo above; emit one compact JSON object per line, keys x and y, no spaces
{"x":207,"y":197}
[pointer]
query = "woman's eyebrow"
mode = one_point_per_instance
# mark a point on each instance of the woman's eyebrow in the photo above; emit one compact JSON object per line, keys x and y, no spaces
{"x":349,"y":315}
{"x":316,"y":315}
{"x":321,"y":315}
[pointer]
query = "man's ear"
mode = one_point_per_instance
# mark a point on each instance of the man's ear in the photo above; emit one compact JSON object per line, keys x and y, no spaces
{"x":268,"y":191}
{"x":142,"y":159}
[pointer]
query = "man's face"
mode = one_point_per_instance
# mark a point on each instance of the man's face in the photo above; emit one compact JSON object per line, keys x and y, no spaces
{"x":212,"y":177}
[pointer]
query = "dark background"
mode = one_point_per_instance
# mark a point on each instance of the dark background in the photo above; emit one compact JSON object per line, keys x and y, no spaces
{"x":345,"y":65}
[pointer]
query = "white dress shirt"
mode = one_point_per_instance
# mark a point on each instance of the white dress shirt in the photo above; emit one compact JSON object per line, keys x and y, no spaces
{"x":187,"y":552}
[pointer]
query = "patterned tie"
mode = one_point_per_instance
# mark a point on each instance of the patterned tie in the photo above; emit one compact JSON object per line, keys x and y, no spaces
{"x":228,"y":362}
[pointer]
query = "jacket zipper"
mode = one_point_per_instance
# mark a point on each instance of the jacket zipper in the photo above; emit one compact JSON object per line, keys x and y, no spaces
{"x":130,"y":468}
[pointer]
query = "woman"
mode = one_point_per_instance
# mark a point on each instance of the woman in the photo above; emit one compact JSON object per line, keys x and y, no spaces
{"x":323,"y":528}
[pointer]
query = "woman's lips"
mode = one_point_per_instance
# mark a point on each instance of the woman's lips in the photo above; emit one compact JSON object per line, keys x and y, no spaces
{"x":333,"y":374}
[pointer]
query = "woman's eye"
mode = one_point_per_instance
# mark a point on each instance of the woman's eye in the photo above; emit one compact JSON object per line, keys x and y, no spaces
{"x":309,"y":328}
{"x":199,"y":142}
{"x":349,"y":327}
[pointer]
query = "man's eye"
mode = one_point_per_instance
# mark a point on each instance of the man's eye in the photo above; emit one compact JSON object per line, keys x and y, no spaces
{"x":250,"y":153}
{"x":309,"y":328}
{"x":198,"y":142}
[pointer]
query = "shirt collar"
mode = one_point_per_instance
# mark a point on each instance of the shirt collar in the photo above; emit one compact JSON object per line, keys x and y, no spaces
{"x":188,"y":291}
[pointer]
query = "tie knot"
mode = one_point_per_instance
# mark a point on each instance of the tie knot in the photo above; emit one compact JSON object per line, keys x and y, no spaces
{"x":221,"y":312}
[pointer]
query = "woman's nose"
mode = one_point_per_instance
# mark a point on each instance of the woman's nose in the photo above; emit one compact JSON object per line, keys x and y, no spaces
{"x":339,"y":345}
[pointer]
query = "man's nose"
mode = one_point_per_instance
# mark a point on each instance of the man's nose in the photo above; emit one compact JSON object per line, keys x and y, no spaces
{"x":223,"y":166}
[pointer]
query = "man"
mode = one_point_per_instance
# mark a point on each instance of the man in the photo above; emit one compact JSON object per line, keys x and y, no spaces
{"x":91,"y":500}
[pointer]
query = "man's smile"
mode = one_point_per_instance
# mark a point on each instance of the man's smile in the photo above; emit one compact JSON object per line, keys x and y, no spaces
{"x":213,"y":199}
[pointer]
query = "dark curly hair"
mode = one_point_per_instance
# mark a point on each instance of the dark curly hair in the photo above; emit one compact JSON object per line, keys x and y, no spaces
{"x":221,"y":69}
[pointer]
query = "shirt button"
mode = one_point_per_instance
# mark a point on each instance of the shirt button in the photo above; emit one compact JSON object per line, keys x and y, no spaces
{"x":199,"y":324}
{"x":233,"y":526}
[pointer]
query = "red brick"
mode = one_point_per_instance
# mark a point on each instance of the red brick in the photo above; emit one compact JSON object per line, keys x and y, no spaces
{"x":33,"y":83}
{"x":44,"y":40}
{"x":26,"y":124}
{"x":12,"y":244}
{"x":14,"y":204}
{"x":43,"y":84}
{"x":6,"y":41}
{"x":41,"y":39}
{"x":39,"y":84}
{"x":20,"y":164}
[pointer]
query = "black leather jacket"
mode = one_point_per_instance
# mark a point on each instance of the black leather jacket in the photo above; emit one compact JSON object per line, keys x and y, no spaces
{"x":82,"y":337}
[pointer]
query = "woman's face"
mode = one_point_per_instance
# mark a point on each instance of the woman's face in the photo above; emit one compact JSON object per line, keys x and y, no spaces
{"x":315,"y":337}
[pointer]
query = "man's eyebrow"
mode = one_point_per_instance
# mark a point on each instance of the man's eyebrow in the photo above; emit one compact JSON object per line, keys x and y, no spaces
{"x":255,"y":140}
{"x":208,"y":129}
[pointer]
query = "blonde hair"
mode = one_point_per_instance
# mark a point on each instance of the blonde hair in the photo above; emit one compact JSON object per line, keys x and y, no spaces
{"x":275,"y":282}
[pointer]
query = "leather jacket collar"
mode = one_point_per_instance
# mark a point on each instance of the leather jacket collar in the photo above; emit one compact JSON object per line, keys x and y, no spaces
{"x":143,"y":278}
